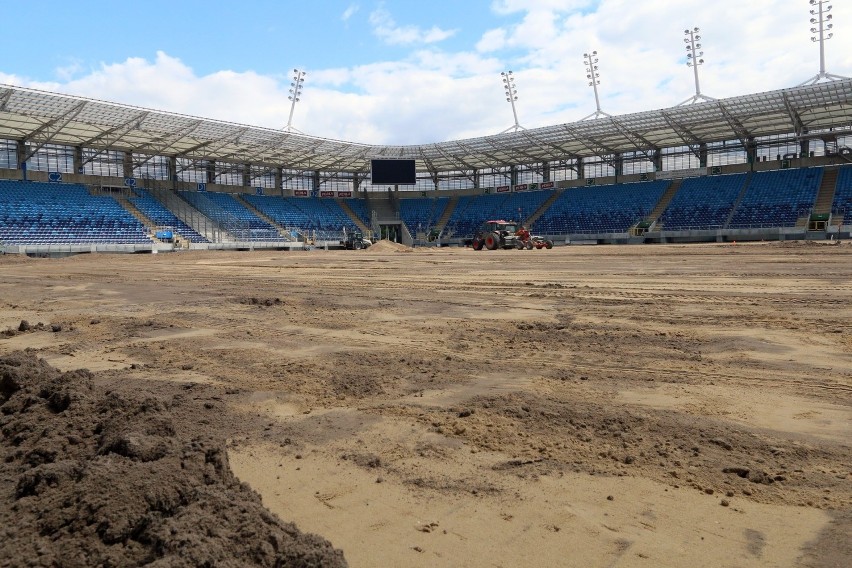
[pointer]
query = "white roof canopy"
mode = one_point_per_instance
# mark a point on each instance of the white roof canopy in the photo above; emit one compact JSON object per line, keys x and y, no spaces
{"x":50,"y":118}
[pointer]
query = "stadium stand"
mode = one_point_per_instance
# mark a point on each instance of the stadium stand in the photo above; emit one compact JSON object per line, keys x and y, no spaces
{"x":226,"y":210}
{"x":34,"y":213}
{"x":422,"y":213}
{"x":842,"y":203}
{"x":703,"y":203}
{"x":359,"y":208}
{"x":777,"y":198}
{"x":601,"y":209}
{"x":472,"y":210}
{"x":162,"y":217}
{"x":324,"y":216}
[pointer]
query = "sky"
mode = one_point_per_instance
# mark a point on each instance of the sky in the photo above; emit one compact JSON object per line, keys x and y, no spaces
{"x":399,"y":72}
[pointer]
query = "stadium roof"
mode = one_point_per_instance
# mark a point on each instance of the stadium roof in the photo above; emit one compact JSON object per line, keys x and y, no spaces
{"x":50,"y":118}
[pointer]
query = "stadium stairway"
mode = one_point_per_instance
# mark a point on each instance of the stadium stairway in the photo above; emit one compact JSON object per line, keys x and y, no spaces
{"x":448,"y":212}
{"x":739,"y":198}
{"x":825,"y":196}
{"x":662,"y":204}
{"x":352,"y":215}
{"x":530,"y":221}
{"x":133,"y":210}
{"x":285,"y":234}
{"x":382,"y":205}
{"x":182,"y":209}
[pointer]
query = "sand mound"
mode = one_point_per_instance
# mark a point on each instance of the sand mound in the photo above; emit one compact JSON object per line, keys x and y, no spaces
{"x":389,"y":246}
{"x":91,"y":478}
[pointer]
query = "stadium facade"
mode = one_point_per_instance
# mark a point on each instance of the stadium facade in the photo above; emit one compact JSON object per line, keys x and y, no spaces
{"x":696,"y":172}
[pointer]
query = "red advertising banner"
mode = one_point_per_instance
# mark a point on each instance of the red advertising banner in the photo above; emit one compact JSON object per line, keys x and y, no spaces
{"x":547,"y":185}
{"x":326,"y":194}
{"x":521,"y":187}
{"x":502,"y":189}
{"x":300,"y":192}
{"x":344,"y":194}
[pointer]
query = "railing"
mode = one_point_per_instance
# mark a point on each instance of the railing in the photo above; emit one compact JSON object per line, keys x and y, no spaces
{"x":184,"y":211}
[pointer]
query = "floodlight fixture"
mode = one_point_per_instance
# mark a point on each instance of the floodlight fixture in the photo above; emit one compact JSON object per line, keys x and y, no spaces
{"x":821,"y":28}
{"x":590,"y":61}
{"x":694,"y":58}
{"x":511,"y":93}
{"x":296,"y":86}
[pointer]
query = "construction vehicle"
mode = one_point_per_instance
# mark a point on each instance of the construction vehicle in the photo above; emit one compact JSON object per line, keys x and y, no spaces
{"x":497,"y":234}
{"x":354,"y":240}
{"x":541,"y":243}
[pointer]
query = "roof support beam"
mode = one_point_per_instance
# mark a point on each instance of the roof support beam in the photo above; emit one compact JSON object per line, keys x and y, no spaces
{"x":742,"y":133}
{"x":56,"y":125}
{"x":798,"y":125}
{"x":596,"y":148}
{"x":642,"y":144}
{"x":684,"y":134}
{"x":163,"y":144}
{"x":121,"y":130}
{"x":4,"y":98}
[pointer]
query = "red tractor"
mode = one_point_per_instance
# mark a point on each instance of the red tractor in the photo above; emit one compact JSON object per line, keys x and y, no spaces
{"x":506,"y":235}
{"x":497,"y":234}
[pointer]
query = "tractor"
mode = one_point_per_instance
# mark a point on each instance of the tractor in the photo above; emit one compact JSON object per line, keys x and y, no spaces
{"x":354,"y":240}
{"x":497,"y":234}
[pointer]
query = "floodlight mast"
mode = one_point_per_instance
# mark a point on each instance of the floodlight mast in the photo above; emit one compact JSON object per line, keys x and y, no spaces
{"x":822,"y":29}
{"x":694,"y":58}
{"x":591,"y":65}
{"x":511,"y":96}
{"x":295,"y":91}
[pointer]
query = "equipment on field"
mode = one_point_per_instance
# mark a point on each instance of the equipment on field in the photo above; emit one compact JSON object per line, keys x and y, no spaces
{"x":355,"y":241}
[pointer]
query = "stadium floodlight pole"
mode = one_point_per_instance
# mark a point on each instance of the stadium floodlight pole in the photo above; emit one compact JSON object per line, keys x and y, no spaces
{"x":591,"y":62}
{"x":295,"y":92}
{"x":511,"y":96}
{"x":822,"y":29}
{"x":694,"y":59}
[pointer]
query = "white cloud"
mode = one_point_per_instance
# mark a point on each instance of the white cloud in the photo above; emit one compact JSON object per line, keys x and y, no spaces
{"x":387,"y":29}
{"x":350,"y":11}
{"x":514,"y":6}
{"x":434,"y":95}
{"x":492,"y":40}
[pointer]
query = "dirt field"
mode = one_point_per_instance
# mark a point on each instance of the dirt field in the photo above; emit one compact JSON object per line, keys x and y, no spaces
{"x":585,"y":406}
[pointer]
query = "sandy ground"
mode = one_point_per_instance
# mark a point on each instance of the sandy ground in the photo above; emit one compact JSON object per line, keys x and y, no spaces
{"x":583,"y":406}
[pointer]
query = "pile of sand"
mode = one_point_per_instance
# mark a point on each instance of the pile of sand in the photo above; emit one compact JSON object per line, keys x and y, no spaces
{"x":389,"y":246}
{"x":92,"y":478}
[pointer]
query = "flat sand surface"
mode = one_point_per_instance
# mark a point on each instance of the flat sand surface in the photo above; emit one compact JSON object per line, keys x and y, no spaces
{"x":652,"y":406}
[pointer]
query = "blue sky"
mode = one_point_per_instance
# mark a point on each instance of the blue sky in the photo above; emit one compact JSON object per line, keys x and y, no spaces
{"x":402,"y":72}
{"x":267,"y":37}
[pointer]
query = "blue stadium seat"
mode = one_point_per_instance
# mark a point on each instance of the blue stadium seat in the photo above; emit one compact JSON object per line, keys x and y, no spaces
{"x":601,"y":209}
{"x":324,"y":216}
{"x":777,"y":198}
{"x":703,"y":203}
{"x":162,"y":217}
{"x":422,"y":213}
{"x":232,"y":215}
{"x":842,"y":203}
{"x":472,"y":210}
{"x":34,"y":213}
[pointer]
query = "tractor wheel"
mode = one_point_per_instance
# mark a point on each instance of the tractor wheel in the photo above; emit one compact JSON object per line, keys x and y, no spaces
{"x":519,"y":245}
{"x":548,"y":244}
{"x":529,"y":245}
{"x":492,"y":241}
{"x":477,"y":244}
{"x":357,"y":245}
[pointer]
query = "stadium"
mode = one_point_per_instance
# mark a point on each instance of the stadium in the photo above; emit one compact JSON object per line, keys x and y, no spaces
{"x":669,"y":385}
{"x":757,"y":167}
